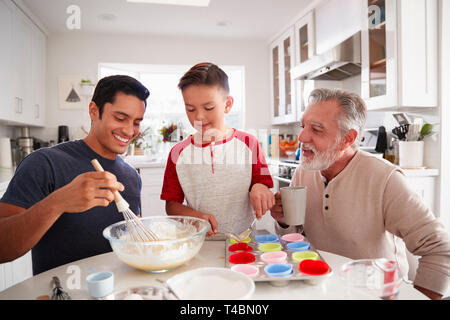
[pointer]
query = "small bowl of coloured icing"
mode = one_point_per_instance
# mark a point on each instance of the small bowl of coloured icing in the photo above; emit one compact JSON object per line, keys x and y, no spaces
{"x":292,"y":237}
{"x":279,"y":270}
{"x":269,"y":247}
{"x":274,"y":257}
{"x":298,"y":246}
{"x":242,"y":258}
{"x":212,"y":284}
{"x":246,"y":240}
{"x":266,"y":238}
{"x":248,"y":270}
{"x":298,"y":256}
{"x":240,"y":247}
{"x":313,"y":267}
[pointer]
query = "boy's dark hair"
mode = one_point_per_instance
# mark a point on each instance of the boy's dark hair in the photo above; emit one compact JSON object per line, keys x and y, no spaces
{"x":205,"y":73}
{"x":107,"y":88}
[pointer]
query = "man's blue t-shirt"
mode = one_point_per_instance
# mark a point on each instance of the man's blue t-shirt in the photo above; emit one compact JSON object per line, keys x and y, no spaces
{"x":73,"y":236}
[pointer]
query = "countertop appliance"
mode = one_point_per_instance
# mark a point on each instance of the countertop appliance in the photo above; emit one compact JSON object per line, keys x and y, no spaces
{"x":25,"y":143}
{"x":286,"y":169}
{"x":341,"y":62}
{"x":63,"y":134}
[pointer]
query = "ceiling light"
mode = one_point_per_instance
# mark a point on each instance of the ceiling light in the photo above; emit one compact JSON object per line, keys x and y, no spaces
{"x":196,"y":3}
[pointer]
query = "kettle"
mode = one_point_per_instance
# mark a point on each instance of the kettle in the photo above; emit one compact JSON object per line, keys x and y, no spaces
{"x":63,"y":134}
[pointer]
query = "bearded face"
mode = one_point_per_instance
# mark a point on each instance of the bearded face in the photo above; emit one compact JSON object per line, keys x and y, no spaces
{"x":320,"y":160}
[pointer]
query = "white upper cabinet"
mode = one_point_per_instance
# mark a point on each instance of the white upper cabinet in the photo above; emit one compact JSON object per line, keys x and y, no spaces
{"x":21,"y":76}
{"x":6,"y":57}
{"x":22,"y":61}
{"x":283,"y":95}
{"x":304,"y":38}
{"x":399,"y":53}
{"x":38,"y":77}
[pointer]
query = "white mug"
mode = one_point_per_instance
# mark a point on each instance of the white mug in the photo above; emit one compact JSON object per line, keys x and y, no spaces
{"x":100,"y":284}
{"x":293,"y":200}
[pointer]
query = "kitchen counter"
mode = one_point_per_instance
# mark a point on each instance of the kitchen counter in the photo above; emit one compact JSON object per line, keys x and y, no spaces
{"x":5,"y":177}
{"x":212,"y":254}
{"x":144,"y":162}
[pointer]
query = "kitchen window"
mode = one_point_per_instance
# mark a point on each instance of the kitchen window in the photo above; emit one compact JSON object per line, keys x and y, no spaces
{"x":165,"y":104}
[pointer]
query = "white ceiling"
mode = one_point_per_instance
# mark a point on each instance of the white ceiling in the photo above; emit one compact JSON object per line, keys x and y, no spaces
{"x":258,"y":19}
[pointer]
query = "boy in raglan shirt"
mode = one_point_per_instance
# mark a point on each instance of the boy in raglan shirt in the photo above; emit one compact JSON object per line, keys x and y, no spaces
{"x":220,"y":171}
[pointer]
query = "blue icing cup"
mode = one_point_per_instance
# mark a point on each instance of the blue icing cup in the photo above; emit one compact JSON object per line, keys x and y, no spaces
{"x":298,"y":246}
{"x":279,"y":270}
{"x":266,"y":238}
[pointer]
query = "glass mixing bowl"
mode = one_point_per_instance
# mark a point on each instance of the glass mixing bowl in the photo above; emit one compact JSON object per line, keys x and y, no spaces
{"x":180,"y":240}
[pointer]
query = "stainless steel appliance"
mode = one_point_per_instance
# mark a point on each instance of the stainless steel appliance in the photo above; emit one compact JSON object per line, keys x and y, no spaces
{"x":25,"y":142}
{"x":341,"y":62}
{"x":286,"y":169}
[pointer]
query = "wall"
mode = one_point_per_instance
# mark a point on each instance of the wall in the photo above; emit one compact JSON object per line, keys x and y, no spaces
{"x":6,"y":131}
{"x":79,"y":54}
{"x":445,"y":112}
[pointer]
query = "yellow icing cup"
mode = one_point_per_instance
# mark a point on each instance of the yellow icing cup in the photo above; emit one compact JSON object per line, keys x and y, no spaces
{"x":302,"y":255}
{"x":269,"y":247}
{"x":246,"y":240}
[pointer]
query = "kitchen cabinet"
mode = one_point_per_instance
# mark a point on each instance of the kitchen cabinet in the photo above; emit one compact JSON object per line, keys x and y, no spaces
{"x":424,"y":186}
{"x":6,"y":25}
{"x":38,"y":63}
{"x":283,"y":88}
{"x":399,"y":46}
{"x":16,"y":271}
{"x":304,"y":38}
{"x":22,"y":60}
{"x":305,"y":49}
{"x":152,"y":181}
{"x":22,"y":79}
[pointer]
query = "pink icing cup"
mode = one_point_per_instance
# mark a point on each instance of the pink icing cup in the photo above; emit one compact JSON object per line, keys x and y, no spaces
{"x":248,"y":270}
{"x":292,"y":237}
{"x":274,"y":257}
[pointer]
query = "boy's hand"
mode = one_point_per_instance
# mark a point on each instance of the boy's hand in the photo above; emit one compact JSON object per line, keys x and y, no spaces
{"x":212,"y":221}
{"x":262,"y":199}
{"x":277,"y":210}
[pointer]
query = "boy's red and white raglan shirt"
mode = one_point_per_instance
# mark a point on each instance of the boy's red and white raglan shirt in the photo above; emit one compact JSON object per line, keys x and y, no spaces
{"x":216,"y":178}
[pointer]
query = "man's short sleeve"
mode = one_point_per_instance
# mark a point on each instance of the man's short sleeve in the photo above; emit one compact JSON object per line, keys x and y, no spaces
{"x":33,"y":181}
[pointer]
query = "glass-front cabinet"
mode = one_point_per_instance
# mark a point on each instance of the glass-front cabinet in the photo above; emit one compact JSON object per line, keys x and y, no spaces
{"x":377,"y":48}
{"x":283,"y":96}
{"x":304,"y":38}
{"x":305,"y":50}
{"x":399,"y":53}
{"x":378,"y":74}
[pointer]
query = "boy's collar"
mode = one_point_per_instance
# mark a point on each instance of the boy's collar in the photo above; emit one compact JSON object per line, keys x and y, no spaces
{"x":205,"y":144}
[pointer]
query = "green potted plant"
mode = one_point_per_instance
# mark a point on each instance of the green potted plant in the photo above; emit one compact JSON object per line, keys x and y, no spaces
{"x":138,"y":144}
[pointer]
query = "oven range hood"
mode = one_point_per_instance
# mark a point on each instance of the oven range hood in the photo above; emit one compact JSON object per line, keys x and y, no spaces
{"x":341,"y":62}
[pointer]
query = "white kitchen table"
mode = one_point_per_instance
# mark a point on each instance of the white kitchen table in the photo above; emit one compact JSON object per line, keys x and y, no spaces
{"x":212,"y":254}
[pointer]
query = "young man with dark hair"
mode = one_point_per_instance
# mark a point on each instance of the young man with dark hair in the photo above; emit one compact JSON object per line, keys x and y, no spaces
{"x":56,"y":204}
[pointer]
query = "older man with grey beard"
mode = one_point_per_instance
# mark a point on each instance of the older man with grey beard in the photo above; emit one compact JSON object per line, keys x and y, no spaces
{"x":360,"y":206}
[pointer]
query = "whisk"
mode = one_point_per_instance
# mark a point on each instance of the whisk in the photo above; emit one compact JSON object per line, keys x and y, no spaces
{"x":58,"y":292}
{"x":138,"y":232}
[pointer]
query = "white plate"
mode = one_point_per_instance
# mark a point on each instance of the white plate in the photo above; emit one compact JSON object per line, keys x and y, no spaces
{"x":212,"y":284}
